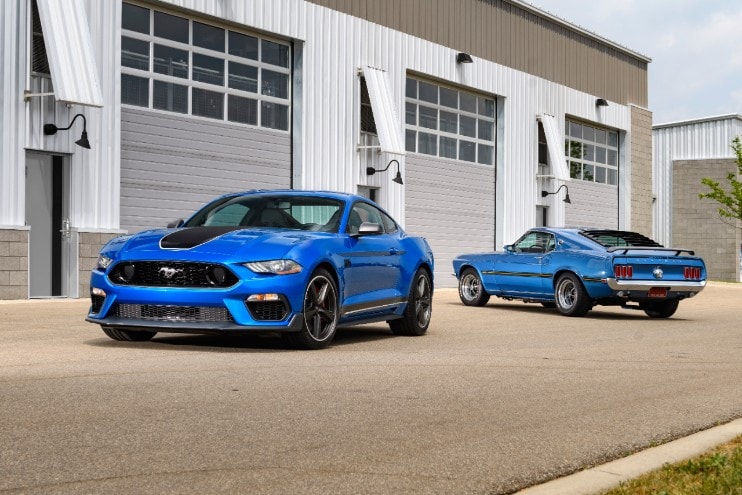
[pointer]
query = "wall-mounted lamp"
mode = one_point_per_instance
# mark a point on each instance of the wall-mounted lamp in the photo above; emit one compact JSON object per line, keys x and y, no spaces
{"x":601,"y":102}
{"x":566,"y":196}
{"x":50,"y":129}
{"x":397,"y":178}
{"x":463,"y":58}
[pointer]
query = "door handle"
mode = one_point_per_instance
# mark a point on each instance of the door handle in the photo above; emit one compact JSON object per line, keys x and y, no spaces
{"x":66,"y":229}
{"x":393,"y":251}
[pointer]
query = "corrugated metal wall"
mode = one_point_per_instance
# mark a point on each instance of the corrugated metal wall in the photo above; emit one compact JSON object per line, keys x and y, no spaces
{"x":511,"y":34}
{"x":172,"y":164}
{"x":13,"y":67}
{"x":696,"y":139}
{"x":452,"y":205}
{"x":593,"y":205}
{"x":338,"y":44}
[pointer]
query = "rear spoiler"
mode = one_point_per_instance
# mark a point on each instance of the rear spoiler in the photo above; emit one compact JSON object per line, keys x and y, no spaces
{"x":626,"y":249}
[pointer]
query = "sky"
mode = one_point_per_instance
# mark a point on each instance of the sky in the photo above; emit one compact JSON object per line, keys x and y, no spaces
{"x":695,"y":47}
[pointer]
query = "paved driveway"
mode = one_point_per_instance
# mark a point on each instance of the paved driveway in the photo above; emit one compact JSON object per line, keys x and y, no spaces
{"x":490,"y":400}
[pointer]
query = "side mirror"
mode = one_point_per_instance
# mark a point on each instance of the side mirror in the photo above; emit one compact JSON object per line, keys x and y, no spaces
{"x":176,"y":223}
{"x":368,"y":228}
{"x":508,"y":248}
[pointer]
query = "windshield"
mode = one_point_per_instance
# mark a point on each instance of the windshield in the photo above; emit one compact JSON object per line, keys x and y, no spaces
{"x":285,"y":212}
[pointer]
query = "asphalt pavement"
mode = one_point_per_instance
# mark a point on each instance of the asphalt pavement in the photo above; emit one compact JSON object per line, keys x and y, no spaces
{"x":492,"y":400}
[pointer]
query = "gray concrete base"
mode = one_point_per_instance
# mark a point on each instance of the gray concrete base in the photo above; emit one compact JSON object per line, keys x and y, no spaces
{"x":607,"y":476}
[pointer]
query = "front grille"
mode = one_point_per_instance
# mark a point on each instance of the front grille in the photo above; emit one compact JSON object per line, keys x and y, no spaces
{"x":268,"y":310}
{"x":173,"y":313}
{"x":97,"y":303}
{"x":171,"y":274}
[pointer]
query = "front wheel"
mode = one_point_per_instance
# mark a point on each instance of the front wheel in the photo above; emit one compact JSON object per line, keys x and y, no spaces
{"x":127,"y":335}
{"x":570,"y":296}
{"x":471,"y":290}
{"x":416,"y":317}
{"x":320,"y":313}
{"x":660,"y":309}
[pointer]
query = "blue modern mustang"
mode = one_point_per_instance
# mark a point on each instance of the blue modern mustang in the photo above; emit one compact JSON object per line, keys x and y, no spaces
{"x":576,"y":269}
{"x":302,"y":263}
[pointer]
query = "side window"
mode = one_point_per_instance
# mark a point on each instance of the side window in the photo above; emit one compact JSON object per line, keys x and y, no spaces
{"x":389,"y":225}
{"x":535,"y":242}
{"x":362,"y":212}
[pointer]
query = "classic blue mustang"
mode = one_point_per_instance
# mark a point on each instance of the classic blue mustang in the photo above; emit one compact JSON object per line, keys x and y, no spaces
{"x":576,"y":269}
{"x":302,"y":263}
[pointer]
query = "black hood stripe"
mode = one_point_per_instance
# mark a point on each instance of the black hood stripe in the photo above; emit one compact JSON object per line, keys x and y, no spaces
{"x":193,"y":236}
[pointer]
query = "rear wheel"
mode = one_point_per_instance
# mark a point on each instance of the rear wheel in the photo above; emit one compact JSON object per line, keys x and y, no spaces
{"x":471,"y":290}
{"x":320,"y":313}
{"x":660,"y":309}
{"x":419,"y":308}
{"x":128,"y":335}
{"x":571,"y":297}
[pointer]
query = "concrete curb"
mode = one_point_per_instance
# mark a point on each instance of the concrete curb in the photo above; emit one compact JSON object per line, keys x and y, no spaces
{"x":601,"y":478}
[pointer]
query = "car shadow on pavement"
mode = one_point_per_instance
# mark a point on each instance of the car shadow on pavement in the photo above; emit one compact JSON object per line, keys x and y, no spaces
{"x":598,"y":313}
{"x":239,"y":343}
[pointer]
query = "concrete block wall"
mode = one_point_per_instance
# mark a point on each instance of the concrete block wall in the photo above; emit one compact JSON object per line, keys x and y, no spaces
{"x":641,"y":171}
{"x":696,"y":223}
{"x":13,"y":263}
{"x":89,"y":245}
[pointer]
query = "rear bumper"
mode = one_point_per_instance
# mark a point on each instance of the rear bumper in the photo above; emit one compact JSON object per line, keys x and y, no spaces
{"x":645,"y":285}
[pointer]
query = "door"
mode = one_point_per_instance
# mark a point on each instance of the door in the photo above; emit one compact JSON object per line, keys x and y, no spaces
{"x":50,"y":235}
{"x":523,"y":270}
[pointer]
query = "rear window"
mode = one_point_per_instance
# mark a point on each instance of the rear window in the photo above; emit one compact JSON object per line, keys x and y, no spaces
{"x":619,"y":238}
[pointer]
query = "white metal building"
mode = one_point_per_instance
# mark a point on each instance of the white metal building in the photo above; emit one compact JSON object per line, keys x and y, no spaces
{"x":685,"y":152}
{"x":484,"y":104}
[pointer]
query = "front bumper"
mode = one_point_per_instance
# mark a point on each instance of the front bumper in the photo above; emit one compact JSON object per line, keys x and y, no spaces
{"x":192,"y":301}
{"x":201,"y":327}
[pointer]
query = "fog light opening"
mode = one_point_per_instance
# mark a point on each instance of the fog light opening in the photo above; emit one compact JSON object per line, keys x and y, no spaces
{"x":263,"y":298}
{"x":216,"y":275}
{"x":95,"y":291}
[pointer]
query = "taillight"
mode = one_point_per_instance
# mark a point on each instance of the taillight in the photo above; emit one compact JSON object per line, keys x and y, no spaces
{"x":692,"y":272}
{"x":623,"y":271}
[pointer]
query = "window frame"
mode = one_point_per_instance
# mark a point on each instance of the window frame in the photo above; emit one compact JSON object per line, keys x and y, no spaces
{"x":262,"y":100}
{"x":591,"y":164}
{"x":443,"y":138}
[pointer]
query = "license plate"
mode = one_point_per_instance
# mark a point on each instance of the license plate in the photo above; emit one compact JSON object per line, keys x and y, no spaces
{"x":657,"y":292}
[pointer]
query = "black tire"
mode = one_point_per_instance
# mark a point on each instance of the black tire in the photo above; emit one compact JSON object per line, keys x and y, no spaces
{"x":660,"y":309}
{"x":321,"y":313}
{"x":570,"y":296}
{"x":416,"y":318}
{"x":471,"y":290}
{"x":128,"y":335}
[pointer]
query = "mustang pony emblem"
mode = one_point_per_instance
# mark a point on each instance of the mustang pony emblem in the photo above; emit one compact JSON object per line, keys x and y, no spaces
{"x":657,"y":272}
{"x":169,"y":272}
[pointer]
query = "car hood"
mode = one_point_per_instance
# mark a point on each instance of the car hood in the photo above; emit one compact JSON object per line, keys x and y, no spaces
{"x":222,"y":244}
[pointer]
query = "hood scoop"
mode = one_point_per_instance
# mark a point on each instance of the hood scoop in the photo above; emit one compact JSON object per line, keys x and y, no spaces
{"x":193,"y":236}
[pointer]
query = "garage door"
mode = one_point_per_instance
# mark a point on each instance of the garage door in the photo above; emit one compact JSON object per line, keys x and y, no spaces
{"x":453,"y":206}
{"x":171,"y":165}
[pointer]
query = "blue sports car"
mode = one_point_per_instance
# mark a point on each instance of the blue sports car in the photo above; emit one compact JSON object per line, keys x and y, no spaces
{"x":296,"y":262}
{"x":576,"y":269}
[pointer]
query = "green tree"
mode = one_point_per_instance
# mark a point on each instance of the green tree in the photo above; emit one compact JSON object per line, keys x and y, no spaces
{"x":730,"y":201}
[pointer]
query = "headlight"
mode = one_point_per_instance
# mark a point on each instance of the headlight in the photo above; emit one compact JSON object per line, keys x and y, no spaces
{"x":104,"y":261}
{"x":276,"y":267}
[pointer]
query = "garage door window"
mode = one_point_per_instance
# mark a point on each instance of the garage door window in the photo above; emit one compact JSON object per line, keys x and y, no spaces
{"x":449,"y":122}
{"x":592,"y":153}
{"x":172,"y":63}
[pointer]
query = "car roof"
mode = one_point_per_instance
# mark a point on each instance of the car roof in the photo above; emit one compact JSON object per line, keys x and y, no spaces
{"x":298,"y":192}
